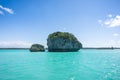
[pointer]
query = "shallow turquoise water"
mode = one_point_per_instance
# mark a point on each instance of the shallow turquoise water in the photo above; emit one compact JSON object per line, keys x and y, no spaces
{"x":82,"y":65}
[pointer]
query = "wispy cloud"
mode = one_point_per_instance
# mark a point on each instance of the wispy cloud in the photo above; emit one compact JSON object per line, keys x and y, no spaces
{"x":111,"y":21}
{"x":110,"y":15}
{"x":115,"y":34}
{"x":10,"y":11}
{"x":15,"y":44}
{"x":100,"y":22}
{"x":1,"y":13}
{"x":114,"y":43}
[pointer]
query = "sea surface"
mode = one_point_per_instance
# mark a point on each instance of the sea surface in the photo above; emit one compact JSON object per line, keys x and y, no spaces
{"x":83,"y":65}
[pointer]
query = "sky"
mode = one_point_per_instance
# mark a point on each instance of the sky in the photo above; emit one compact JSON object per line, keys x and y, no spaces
{"x":95,"y":23}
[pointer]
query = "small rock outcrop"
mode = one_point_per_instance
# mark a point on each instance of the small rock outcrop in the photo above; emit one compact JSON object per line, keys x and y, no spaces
{"x":37,"y":48}
{"x":63,"y":42}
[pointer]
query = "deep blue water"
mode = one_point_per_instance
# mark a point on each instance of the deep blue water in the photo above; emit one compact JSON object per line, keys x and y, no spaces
{"x":82,"y":65}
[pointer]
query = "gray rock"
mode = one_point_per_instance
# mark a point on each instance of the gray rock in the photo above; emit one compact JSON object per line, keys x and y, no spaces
{"x":37,"y":48}
{"x":63,"y":42}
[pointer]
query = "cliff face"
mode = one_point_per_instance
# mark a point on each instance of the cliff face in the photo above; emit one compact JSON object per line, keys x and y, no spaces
{"x":37,"y":48}
{"x":63,"y":42}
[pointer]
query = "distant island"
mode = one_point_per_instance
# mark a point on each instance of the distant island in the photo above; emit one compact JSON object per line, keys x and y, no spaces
{"x":60,"y":42}
{"x":47,"y":48}
{"x":101,"y":48}
{"x":13,"y":48}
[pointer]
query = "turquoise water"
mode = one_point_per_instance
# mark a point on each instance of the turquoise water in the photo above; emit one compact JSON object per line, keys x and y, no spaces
{"x":82,"y":65}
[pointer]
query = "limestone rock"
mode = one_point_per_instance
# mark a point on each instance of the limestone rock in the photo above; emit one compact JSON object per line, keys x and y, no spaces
{"x":63,"y":42}
{"x":37,"y":48}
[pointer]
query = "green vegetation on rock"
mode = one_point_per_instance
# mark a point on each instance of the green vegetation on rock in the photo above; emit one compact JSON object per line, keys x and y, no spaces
{"x":64,"y":35}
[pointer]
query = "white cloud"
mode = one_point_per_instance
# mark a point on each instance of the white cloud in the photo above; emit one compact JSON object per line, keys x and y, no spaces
{"x":115,"y":34}
{"x":111,"y":21}
{"x":10,"y":11}
{"x":15,"y":44}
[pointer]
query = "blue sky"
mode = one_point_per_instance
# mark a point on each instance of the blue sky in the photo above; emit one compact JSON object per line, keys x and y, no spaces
{"x":96,"y":23}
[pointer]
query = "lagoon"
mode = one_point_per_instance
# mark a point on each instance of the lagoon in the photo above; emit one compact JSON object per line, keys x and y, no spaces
{"x":89,"y":64}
